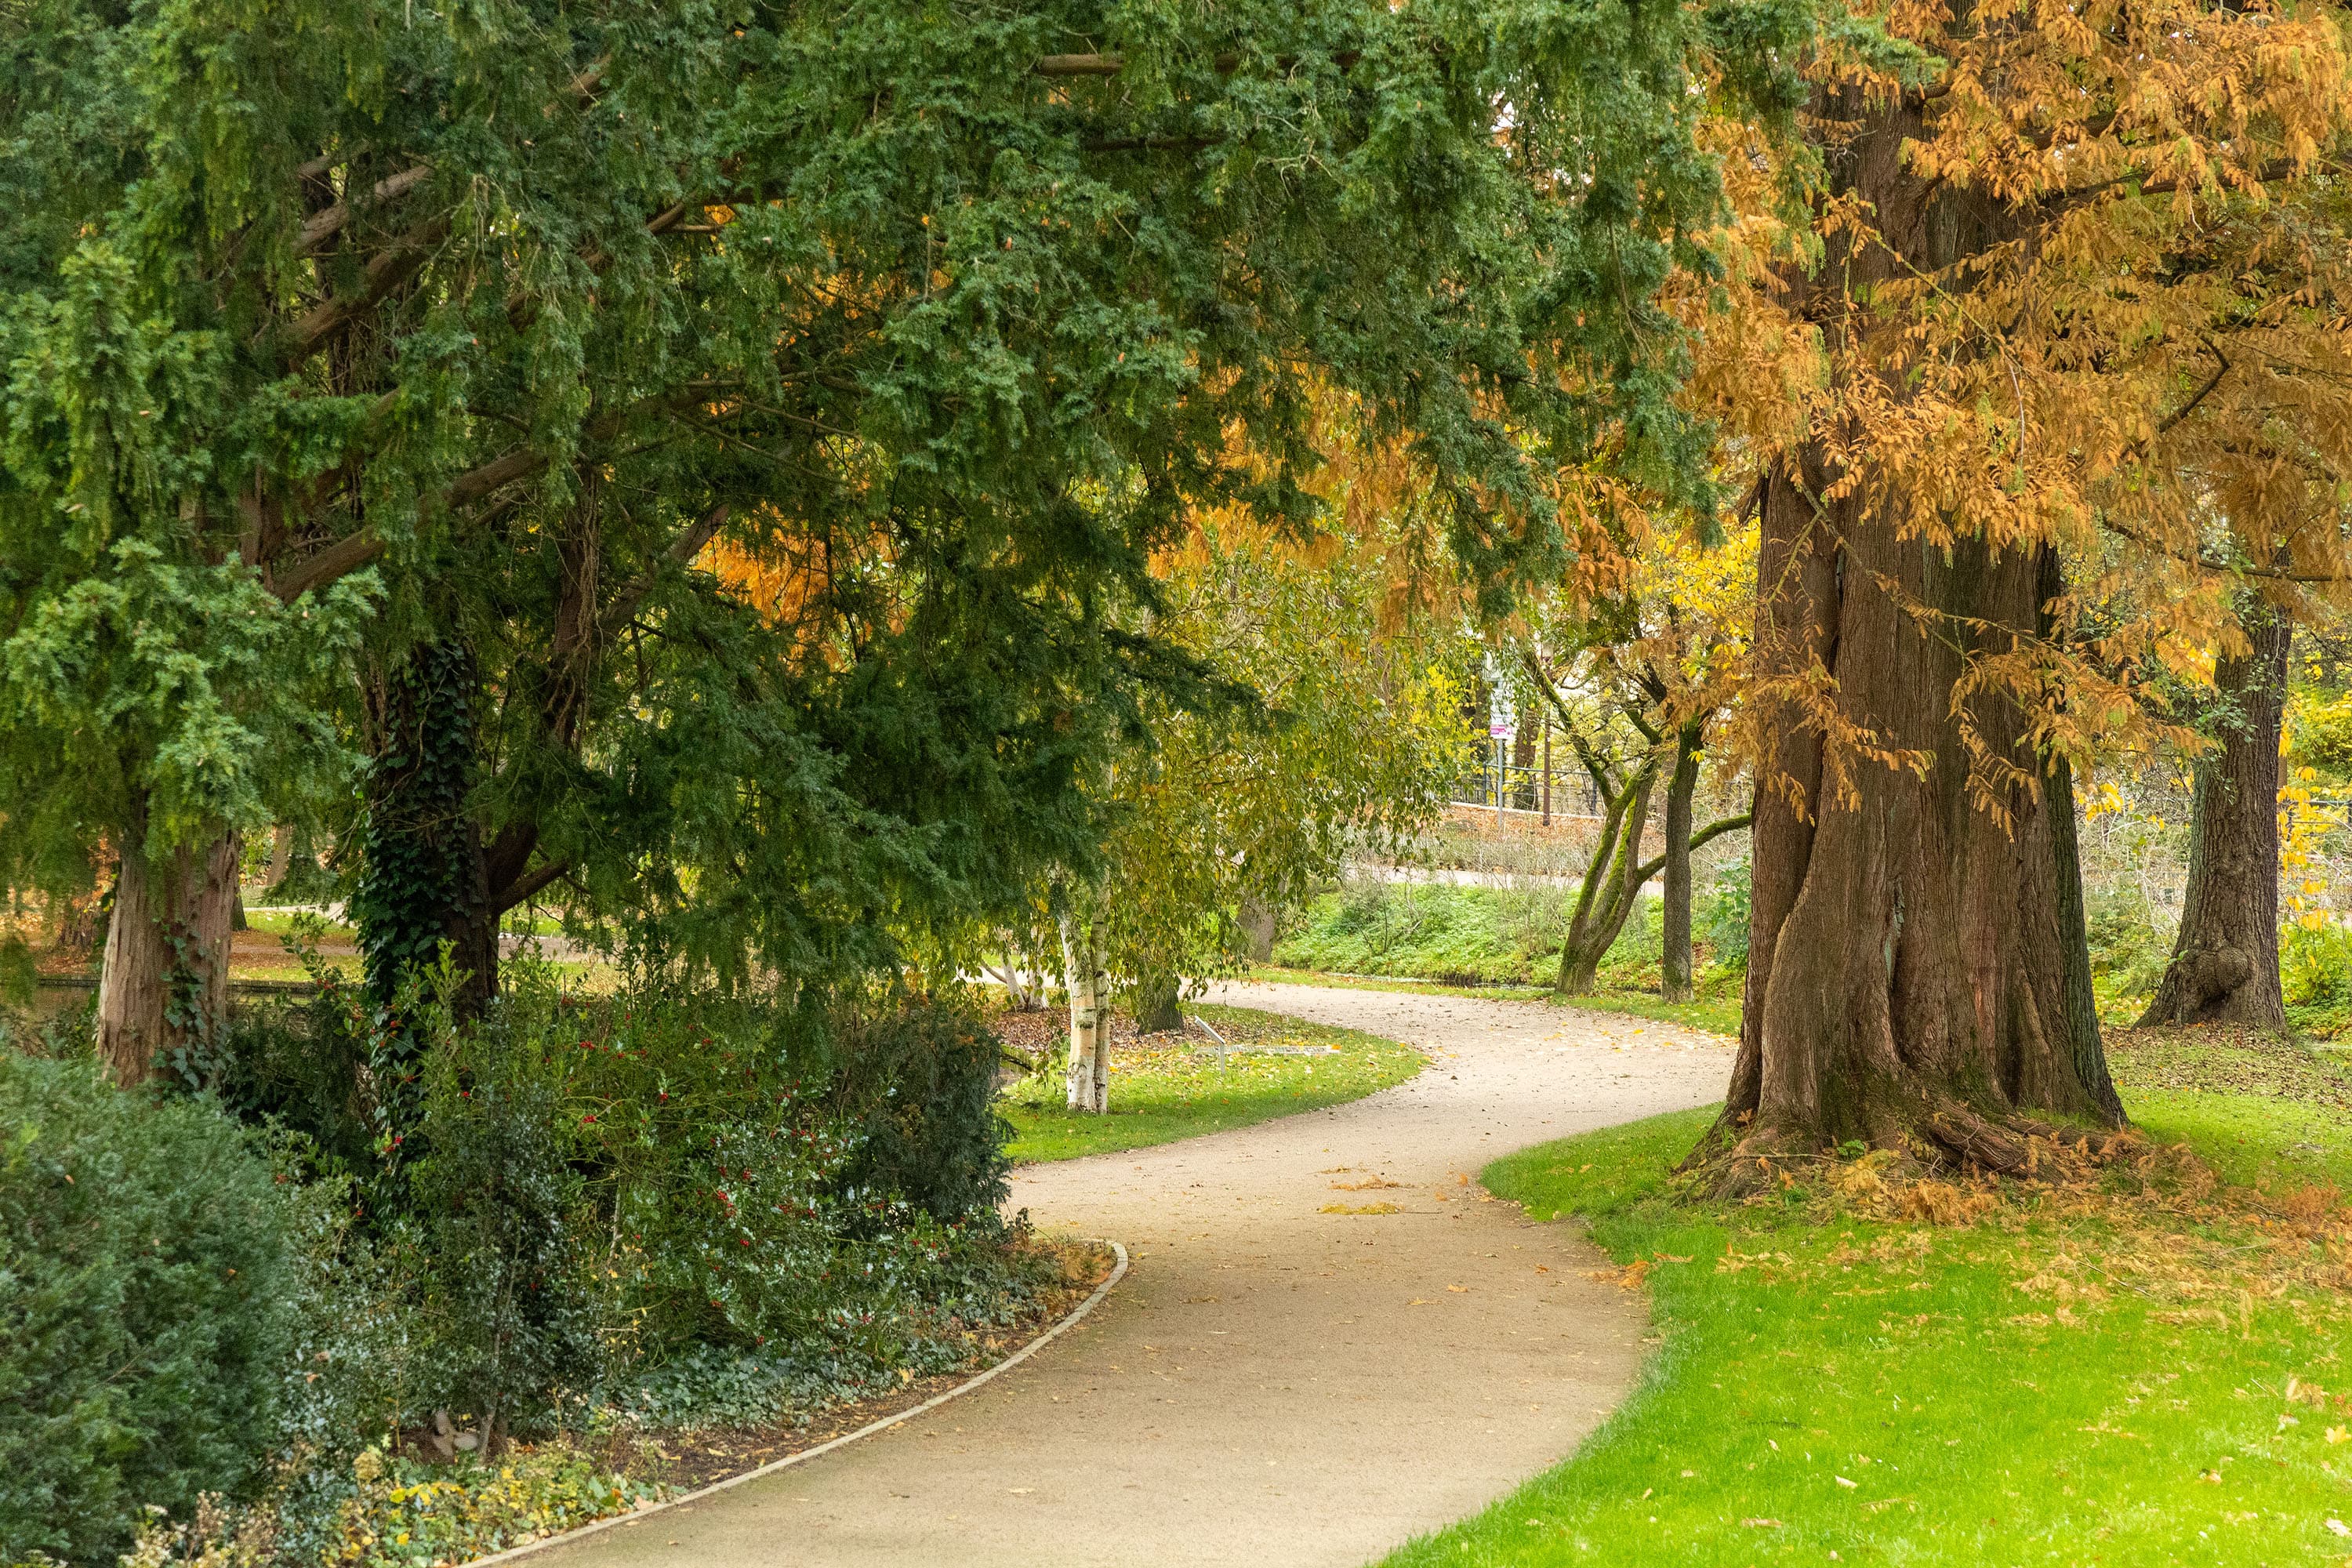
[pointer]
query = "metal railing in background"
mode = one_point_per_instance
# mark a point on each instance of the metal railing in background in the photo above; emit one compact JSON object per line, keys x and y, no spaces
{"x":1517,"y":788}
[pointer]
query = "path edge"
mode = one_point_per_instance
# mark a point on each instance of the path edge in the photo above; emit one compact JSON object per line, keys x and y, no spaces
{"x":1076,"y":1315}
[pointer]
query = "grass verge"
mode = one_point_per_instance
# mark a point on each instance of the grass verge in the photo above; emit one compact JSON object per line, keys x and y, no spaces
{"x":2129,"y":1363}
{"x":1163,"y":1088}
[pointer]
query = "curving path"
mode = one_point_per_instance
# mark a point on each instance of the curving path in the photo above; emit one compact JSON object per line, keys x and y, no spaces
{"x":1272,"y":1384}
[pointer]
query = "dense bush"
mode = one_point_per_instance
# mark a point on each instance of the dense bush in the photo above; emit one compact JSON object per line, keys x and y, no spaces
{"x":150,"y":1294}
{"x":917,"y":1089}
{"x":495,"y":1205}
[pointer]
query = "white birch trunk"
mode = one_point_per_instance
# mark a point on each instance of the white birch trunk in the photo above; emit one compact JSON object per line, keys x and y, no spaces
{"x":1088,"y":1077}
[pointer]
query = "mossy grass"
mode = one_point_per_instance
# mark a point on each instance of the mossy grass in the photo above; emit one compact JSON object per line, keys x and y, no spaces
{"x":1163,"y":1092}
{"x":2134,"y":1364}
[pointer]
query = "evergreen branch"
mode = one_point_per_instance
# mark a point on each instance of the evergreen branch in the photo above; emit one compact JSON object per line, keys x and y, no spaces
{"x":680,"y":555}
{"x":325,"y":224}
{"x":386,"y":271}
{"x":524,"y":887}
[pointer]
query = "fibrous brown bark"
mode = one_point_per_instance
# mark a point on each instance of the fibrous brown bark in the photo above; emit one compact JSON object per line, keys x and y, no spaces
{"x":1915,"y":975}
{"x":164,"y":986}
{"x":2225,"y":959}
{"x":1675,"y":967}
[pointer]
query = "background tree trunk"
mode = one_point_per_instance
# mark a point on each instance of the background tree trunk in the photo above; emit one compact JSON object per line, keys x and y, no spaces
{"x":1675,"y":967}
{"x":1156,"y":1009}
{"x":1257,"y":923}
{"x":281,"y":855}
{"x":2225,"y":959}
{"x":164,"y":986}
{"x":1612,"y":880}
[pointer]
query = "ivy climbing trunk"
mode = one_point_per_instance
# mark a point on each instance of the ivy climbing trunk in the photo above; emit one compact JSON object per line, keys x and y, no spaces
{"x":1088,"y":1074}
{"x":2225,"y":959}
{"x":423,"y":877}
{"x":163,"y":984}
{"x":1674,"y":966}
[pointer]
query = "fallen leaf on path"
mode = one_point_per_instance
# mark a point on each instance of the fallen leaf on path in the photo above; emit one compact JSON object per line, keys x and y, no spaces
{"x":1417,"y":1302}
{"x":1362,"y":1208}
{"x":1459,"y":1289}
{"x":1363,"y":1187}
{"x":1022,"y":1491}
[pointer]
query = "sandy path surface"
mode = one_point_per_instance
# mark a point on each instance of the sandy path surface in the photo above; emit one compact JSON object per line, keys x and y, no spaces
{"x":1273,"y":1384}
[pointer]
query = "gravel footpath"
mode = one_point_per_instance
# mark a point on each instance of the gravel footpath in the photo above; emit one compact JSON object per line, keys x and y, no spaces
{"x":1274,"y":1384}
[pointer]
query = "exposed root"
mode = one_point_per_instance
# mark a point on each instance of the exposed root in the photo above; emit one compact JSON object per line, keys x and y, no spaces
{"x":1947,"y":1140}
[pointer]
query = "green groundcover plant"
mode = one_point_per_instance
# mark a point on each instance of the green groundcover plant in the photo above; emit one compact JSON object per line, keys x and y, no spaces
{"x":660,"y":1209}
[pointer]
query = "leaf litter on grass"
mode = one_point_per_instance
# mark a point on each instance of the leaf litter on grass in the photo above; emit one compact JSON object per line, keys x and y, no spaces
{"x":2036,"y":1370}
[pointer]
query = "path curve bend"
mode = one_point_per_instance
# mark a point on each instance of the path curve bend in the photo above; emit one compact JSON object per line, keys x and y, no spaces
{"x":1276,"y":1384}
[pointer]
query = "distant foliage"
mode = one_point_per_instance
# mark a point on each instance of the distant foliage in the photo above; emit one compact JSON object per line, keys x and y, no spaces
{"x":1725,"y":915}
{"x":2129,"y":954}
{"x":150,"y":1292}
{"x":1487,"y":935}
{"x":2315,"y":974}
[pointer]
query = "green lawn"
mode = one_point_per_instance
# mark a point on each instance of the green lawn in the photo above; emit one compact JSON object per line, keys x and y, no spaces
{"x":2118,"y":1369}
{"x":1160,"y":1095}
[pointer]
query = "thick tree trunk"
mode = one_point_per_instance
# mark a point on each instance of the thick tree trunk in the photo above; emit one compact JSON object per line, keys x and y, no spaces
{"x":1087,"y":1078}
{"x":163,"y":992}
{"x":1156,"y":1009}
{"x":2225,"y":960}
{"x":1912,"y":964}
{"x":1916,"y":960}
{"x":1674,"y":969}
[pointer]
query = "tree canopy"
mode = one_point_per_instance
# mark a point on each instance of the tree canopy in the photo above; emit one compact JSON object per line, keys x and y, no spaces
{"x":493,"y":320}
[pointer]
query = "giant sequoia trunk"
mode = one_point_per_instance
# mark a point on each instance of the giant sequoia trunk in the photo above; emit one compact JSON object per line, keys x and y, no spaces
{"x":1917,"y":968}
{"x":162,"y":991}
{"x":2225,"y":960}
{"x":1917,"y":961}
